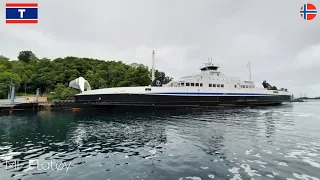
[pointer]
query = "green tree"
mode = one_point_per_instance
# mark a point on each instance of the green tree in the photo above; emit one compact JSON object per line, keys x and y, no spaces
{"x":25,"y":81}
{"x":5,"y":80}
{"x":64,"y":93}
{"x":4,"y":58}
{"x":54,"y":75}
{"x":2,"y":68}
{"x":26,"y":56}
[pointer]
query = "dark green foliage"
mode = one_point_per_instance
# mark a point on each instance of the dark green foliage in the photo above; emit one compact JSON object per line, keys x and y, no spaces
{"x":5,"y":79}
{"x":30,"y":73}
{"x":26,"y":56}
{"x":63,"y":93}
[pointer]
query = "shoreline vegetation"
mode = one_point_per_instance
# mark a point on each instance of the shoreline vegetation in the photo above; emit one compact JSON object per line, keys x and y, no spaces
{"x":302,"y":99}
{"x":53,"y":76}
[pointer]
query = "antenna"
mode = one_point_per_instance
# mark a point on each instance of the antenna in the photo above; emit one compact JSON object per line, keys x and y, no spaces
{"x":249,"y":65}
{"x":153,"y":72}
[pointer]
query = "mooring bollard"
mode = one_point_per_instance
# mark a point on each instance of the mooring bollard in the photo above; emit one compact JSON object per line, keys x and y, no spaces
{"x":12,"y":95}
{"x":37,"y":95}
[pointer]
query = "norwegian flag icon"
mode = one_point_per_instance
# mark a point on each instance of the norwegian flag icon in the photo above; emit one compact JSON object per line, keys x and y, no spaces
{"x":308,"y":11}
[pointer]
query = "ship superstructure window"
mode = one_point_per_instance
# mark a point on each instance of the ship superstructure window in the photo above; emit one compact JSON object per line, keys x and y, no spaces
{"x":197,"y":84}
{"x":235,"y":86}
{"x":247,"y":86}
{"x":187,"y":84}
{"x":218,"y":85}
{"x":192,"y":84}
{"x":222,"y":85}
{"x":213,"y":85}
{"x":210,"y":85}
{"x":182,"y":84}
{"x":200,"y":84}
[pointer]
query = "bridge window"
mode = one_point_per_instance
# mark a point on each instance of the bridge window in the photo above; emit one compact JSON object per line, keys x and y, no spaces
{"x":213,"y":85}
{"x":200,"y":84}
{"x":197,"y":84}
{"x":187,"y":84}
{"x":210,"y":85}
{"x":222,"y":85}
{"x":209,"y":68}
{"x":218,"y":85}
{"x":192,"y":84}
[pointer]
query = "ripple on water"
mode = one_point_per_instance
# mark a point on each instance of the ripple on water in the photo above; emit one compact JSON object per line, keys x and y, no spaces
{"x":304,"y":177}
{"x":220,"y":144}
{"x":193,"y":178}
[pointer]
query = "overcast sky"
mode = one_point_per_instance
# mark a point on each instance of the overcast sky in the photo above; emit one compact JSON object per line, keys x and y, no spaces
{"x":283,"y":48}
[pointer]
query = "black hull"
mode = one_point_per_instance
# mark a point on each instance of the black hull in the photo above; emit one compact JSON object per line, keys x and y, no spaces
{"x":142,"y":100}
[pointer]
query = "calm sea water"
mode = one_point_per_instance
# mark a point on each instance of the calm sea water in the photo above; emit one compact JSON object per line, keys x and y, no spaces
{"x":280,"y":142}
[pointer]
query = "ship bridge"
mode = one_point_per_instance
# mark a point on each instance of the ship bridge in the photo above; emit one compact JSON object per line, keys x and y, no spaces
{"x":209,"y":67}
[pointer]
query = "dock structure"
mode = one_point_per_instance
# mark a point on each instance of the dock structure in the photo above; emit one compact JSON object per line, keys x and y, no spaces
{"x":35,"y":106}
{"x":32,"y":102}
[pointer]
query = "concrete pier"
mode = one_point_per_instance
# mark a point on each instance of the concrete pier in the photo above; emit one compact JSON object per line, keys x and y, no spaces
{"x":36,"y":106}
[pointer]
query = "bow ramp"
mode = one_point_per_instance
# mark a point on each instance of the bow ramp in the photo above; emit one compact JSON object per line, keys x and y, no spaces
{"x":81,"y":84}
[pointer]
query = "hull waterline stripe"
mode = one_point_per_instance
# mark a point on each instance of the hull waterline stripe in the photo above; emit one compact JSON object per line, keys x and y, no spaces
{"x":210,"y":93}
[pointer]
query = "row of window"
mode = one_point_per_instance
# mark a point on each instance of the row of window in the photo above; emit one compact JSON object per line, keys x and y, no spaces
{"x":216,"y":85}
{"x":210,"y":85}
{"x":246,"y":86}
{"x":192,"y":84}
{"x":200,"y":85}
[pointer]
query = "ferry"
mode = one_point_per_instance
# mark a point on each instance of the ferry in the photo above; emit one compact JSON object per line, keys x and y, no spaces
{"x":210,"y":87}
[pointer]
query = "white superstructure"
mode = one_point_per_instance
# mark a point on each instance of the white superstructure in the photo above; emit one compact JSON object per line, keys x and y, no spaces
{"x":209,"y":80}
